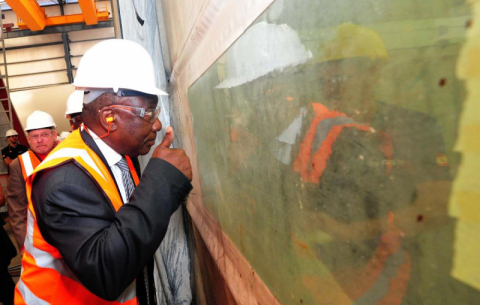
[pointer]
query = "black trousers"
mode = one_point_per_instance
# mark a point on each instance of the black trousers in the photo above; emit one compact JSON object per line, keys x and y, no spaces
{"x":7,"y":252}
{"x":7,"y":287}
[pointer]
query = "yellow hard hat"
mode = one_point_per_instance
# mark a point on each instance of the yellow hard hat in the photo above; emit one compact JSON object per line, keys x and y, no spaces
{"x":352,"y":41}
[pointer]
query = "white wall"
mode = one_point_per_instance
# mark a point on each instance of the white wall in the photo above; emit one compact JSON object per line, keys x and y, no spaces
{"x":51,"y":100}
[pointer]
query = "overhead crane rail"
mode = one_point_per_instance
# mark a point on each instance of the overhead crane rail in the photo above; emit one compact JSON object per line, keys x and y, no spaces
{"x":30,"y":15}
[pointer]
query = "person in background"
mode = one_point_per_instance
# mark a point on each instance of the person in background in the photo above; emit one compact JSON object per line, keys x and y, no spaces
{"x":73,"y":113}
{"x":41,"y":138}
{"x":7,"y":252}
{"x":93,"y":225}
{"x":13,"y":149}
{"x":74,"y":109}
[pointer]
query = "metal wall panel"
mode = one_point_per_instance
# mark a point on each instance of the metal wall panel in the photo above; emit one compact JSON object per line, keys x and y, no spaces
{"x":35,"y":67}
{"x":172,"y":275}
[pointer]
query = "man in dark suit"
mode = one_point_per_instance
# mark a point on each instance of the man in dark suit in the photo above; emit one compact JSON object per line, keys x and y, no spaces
{"x":98,"y":232}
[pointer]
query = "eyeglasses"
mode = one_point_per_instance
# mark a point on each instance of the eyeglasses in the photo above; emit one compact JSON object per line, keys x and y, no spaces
{"x":43,"y":135}
{"x":125,"y":92}
{"x":149,"y":115}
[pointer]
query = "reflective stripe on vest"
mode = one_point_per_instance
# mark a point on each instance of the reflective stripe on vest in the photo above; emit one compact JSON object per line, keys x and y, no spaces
{"x":45,"y":278}
{"x":28,"y":162}
{"x":312,"y":165}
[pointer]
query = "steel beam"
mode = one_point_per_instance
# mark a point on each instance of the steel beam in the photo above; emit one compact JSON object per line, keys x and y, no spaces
{"x":58,"y":29}
{"x":36,"y":87}
{"x":89,"y":11}
{"x":62,"y":11}
{"x":37,"y":73}
{"x":29,"y":61}
{"x":71,"y":19}
{"x":34,"y":46}
{"x":30,"y":12}
{"x":66,"y":19}
{"x":116,"y":18}
{"x":68,"y":61}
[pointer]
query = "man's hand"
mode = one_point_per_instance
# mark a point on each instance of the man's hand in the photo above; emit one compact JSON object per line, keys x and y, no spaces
{"x":176,"y":157}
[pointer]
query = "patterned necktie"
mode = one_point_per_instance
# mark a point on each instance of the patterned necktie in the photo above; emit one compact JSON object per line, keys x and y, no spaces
{"x":129,"y":186}
{"x":126,"y":178}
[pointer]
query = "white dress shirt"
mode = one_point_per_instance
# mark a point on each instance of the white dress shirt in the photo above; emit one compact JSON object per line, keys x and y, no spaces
{"x":112,"y":158}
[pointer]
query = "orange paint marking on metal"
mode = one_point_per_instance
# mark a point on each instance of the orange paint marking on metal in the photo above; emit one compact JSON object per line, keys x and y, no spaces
{"x":31,"y":14}
{"x":62,"y":20}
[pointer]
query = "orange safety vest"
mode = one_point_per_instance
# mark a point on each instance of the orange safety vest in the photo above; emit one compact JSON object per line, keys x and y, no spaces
{"x":311,"y":167}
{"x":28,"y":162}
{"x":45,"y":278}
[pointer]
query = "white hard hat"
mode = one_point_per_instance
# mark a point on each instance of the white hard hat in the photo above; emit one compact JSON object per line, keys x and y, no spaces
{"x":11,"y":132}
{"x":264,"y":48}
{"x":115,"y":64}
{"x":74,"y":103}
{"x":39,"y":120}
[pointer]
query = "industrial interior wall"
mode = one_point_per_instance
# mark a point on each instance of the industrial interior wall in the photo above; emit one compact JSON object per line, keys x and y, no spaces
{"x":335,"y":160}
{"x":38,"y":75}
{"x":50,"y":99}
{"x":172,"y":272}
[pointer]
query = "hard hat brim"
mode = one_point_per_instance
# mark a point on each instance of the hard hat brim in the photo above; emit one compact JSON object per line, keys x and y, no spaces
{"x":148,"y":90}
{"x":47,"y":127}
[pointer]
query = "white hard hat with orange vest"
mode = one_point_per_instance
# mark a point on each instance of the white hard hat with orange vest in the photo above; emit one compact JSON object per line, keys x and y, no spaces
{"x":117,"y":64}
{"x":11,"y":132}
{"x":39,"y":120}
{"x":74,"y":103}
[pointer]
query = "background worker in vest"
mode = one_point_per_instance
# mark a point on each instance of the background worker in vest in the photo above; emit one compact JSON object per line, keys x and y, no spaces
{"x":73,"y":112}
{"x":13,"y":149}
{"x":41,"y":137}
{"x":97,"y":231}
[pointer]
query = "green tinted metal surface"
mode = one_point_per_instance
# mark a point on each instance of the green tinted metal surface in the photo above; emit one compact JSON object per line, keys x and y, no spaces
{"x":325,"y":142}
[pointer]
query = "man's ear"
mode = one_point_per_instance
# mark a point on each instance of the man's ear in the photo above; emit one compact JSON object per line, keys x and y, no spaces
{"x":108,"y":119}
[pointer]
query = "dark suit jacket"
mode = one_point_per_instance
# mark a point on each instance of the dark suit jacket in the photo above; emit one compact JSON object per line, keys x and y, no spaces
{"x":105,"y":249}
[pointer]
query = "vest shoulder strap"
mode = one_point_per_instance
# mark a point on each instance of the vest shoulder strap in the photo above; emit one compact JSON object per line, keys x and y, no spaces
{"x":28,"y":162}
{"x":74,"y":149}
